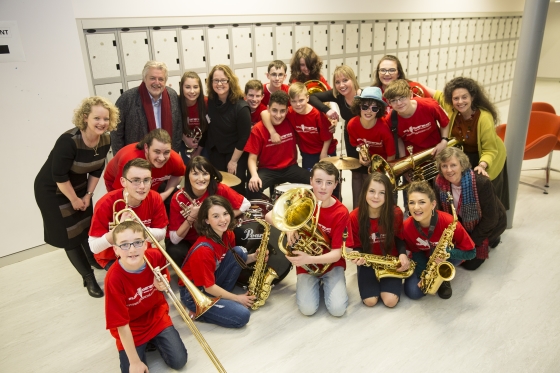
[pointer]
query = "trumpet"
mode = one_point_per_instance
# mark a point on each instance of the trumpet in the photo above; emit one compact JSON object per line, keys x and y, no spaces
{"x":203,"y":303}
{"x":186,"y":209}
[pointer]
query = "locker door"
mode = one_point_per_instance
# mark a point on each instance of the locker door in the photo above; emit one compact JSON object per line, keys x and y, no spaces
{"x":488,"y":74}
{"x":103,"y":55}
{"x":413,"y":60}
{"x":467,"y":73}
{"x":436,"y":32}
{"x":174,"y":81}
{"x":320,"y":40}
{"x":284,"y":45}
{"x":165,"y":48}
{"x":463,"y":30}
{"x":424,"y":61}
{"x":263,"y":44}
{"x":203,"y":78}
{"x":242,"y":45}
{"x":333,"y":63}
{"x":481,"y":74}
{"x":434,"y":59}
{"x":194,"y":53}
{"x":261,"y":74}
{"x":519,"y":22}
{"x":455,"y":74}
{"x":426,"y":33}
{"x":494,"y":29}
{"x":507,"y":74}
{"x":460,"y":56}
{"x":441,"y":80}
{"x":474,"y":73}
{"x":454,"y":32}
{"x":442,"y":62}
{"x":350,"y":62}
{"x":218,"y":46}
{"x":110,"y":91}
{"x":484,"y":53}
{"x":452,"y":58}
{"x":365,"y":70}
{"x":376,"y":59}
{"x":514,"y":24}
{"x":491,"y":52}
{"x":244,"y":75}
{"x":135,"y":51}
{"x":476,"y":54}
{"x":492,"y":93}
{"x":433,"y":80}
{"x":336,"y":36}
{"x":502,"y":72}
{"x":498,"y":51}
{"x":471,"y":33}
{"x":499,"y":90}
{"x":351,"y":33}
{"x":445,"y":32}
{"x":303,"y":36}
{"x":515,"y":49}
{"x":415,"y":33}
{"x":392,"y":35}
{"x":379,"y":32}
{"x":487,"y":29}
{"x":512,"y":50}
{"x":133,"y":83}
{"x":507,"y":29}
{"x":469,"y":54}
{"x":479,"y":30}
{"x":404,"y":34}
{"x":326,"y":67}
{"x":501,"y":28}
{"x":403,"y":57}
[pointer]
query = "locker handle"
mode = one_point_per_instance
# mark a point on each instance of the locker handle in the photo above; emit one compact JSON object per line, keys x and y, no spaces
{"x":175,"y":39}
{"x":145,"y":41}
{"x":178,"y":61}
{"x":250,"y":54}
{"x":114,"y":43}
{"x":228,"y":56}
{"x":122,"y":91}
{"x":118,"y":67}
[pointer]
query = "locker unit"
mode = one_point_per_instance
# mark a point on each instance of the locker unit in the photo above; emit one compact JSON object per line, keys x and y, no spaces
{"x":471,"y":31}
{"x":135,"y":51}
{"x":379,"y":33}
{"x":284,"y":43}
{"x":110,"y":91}
{"x":352,"y":34}
{"x":218,"y":41}
{"x":165,"y":48}
{"x":413,"y":63}
{"x":435,"y":39}
{"x":445,"y":31}
{"x":434,"y":60}
{"x":365,"y":68}
{"x":494,"y":29}
{"x":348,"y":61}
{"x":404,"y":34}
{"x":303,"y":36}
{"x":403,"y":57}
{"x":464,"y":31}
{"x":262,"y":71}
{"x":264,"y":49}
{"x":486,"y":34}
{"x":392,"y":33}
{"x":479,"y":33}
{"x":425,"y":34}
{"x":442,"y":61}
{"x":242,"y":45}
{"x":424,"y":61}
{"x":193,"y":49}
{"x":103,"y":57}
{"x":433,"y":80}
{"x":415,"y":33}
{"x":244,"y":75}
{"x":336,"y":39}
{"x":454,"y":32}
{"x":320,"y":39}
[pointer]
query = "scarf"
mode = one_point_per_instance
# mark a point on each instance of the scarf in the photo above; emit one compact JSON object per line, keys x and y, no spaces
{"x":468,"y":206}
{"x":166,"y":119}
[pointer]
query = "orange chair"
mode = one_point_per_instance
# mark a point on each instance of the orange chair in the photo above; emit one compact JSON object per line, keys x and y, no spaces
{"x":542,"y":137}
{"x":548,"y":108}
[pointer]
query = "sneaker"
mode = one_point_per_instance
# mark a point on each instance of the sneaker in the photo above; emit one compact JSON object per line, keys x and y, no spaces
{"x":444,"y":290}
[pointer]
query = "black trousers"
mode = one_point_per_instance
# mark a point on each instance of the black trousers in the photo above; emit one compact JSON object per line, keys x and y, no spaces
{"x":291,"y":174}
{"x":220,"y":161}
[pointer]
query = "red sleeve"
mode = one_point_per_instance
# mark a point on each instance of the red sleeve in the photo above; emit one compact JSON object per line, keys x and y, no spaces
{"x":388,"y":140}
{"x":355,"y":229}
{"x":159,"y":216}
{"x":352,"y":130}
{"x":324,"y":126}
{"x":254,"y":143}
{"x":231,"y":195}
{"x":202,"y":265}
{"x":177,"y":166}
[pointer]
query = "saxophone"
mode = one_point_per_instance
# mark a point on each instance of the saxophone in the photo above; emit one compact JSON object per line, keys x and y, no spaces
{"x":383,"y":265}
{"x":260,"y":282}
{"x":434,"y":274}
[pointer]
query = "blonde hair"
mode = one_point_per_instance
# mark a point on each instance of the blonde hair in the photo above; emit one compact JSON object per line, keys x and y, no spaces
{"x":155,"y":65}
{"x":297,"y":89}
{"x":398,"y":88}
{"x":84,"y":110}
{"x":348,"y":73}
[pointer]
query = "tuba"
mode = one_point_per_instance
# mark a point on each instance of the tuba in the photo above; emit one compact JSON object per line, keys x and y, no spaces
{"x":203,"y":303}
{"x":417,"y":91}
{"x":294,"y":211}
{"x":260,"y":282}
{"x":314,"y":86}
{"x":421,"y":164}
{"x":434,"y":274}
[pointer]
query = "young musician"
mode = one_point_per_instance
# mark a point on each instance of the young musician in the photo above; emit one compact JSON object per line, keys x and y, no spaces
{"x":276,"y":75}
{"x":136,"y":311}
{"x":254,"y":97}
{"x":422,"y":232}
{"x":377,"y":229}
{"x":333,"y":221}
{"x":212,"y":265}
{"x":193,"y":109}
{"x":137,"y":195}
{"x":305,"y":66}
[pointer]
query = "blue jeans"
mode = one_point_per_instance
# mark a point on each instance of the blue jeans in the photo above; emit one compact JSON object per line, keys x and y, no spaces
{"x":411,"y":288}
{"x":334,"y":287}
{"x":169,"y":345}
{"x":225,"y":312}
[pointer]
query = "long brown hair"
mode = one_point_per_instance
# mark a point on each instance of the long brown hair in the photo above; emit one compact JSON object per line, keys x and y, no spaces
{"x":235,"y":92}
{"x":312,"y":61}
{"x":203,"y":228}
{"x":200,"y":102}
{"x":200,"y":163}
{"x":479,"y":98}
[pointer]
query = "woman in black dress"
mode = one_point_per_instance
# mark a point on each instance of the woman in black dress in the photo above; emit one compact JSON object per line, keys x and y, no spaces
{"x":65,"y":184}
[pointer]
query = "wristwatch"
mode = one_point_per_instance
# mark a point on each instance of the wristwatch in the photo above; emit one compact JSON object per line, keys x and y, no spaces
{"x":89,"y":193}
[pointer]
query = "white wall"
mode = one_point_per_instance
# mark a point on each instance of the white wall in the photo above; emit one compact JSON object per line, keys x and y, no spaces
{"x":550,"y":53}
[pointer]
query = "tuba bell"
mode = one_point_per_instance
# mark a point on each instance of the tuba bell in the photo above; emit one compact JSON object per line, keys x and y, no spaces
{"x":314,"y":86}
{"x":417,"y":91}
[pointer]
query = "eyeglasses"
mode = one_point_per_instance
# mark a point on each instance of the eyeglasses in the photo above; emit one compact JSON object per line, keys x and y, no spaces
{"x":220,"y":81}
{"x":137,"y":244}
{"x":274,"y":75}
{"x":397,"y":100}
{"x":137,"y":182}
{"x":387,"y":71}
{"x":365,"y":107}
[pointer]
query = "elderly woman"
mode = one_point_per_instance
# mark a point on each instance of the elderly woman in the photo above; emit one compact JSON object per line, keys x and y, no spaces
{"x":479,"y":210}
{"x":65,"y":184}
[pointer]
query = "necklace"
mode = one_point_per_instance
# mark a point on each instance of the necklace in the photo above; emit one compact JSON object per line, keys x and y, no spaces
{"x":84,"y":137}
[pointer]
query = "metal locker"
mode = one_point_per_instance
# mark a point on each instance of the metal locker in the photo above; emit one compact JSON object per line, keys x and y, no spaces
{"x":507,"y":29}
{"x":333,"y":63}
{"x":436,"y":32}
{"x":364,"y":72}
{"x":110,"y":91}
{"x":133,"y":83}
{"x":263,"y":44}
{"x":404,"y":34}
{"x":303,"y":36}
{"x":403,"y":56}
{"x":351,"y":33}
{"x":218,"y":46}
{"x":413,"y":60}
{"x":512,"y":69}
{"x":514,"y":24}
{"x":467,"y":73}
{"x":425,"y":35}
{"x":479,"y":30}
{"x":474,"y":73}
{"x":501,"y":28}
{"x":423,"y":80}
{"x":509,"y":90}
{"x":491,"y":52}
{"x":103,"y":56}
{"x":515,"y":49}
{"x":325,"y":68}
{"x":415,"y":33}
{"x":496,"y":73}
{"x":452,"y":58}
{"x":481,"y":75}
{"x":476,"y":54}
{"x":512,"y":51}
{"x":433,"y":80}
{"x":494,"y":29}
{"x":507,"y":74}
{"x":492,"y":93}
{"x":442,"y":80}
{"x":392,"y":35}
{"x":135,"y":51}
{"x":284,"y":44}
{"x":165,"y":48}
{"x":424,"y":61}
{"x":204,"y":79}
{"x":454,"y":32}
{"x":242,"y":45}
{"x":487,"y":29}
{"x":194,"y":53}
{"x":502,"y":72}
{"x":455,"y":74}
{"x":263,"y":70}
{"x":469,"y":54}
{"x":460,"y":56}
{"x":376,"y":59}
{"x":488,"y":74}
{"x":351,"y":62}
{"x":379,"y":32}
{"x":463,"y":30}
{"x":174,"y":81}
{"x":519,"y":22}
{"x":499,"y":90}
{"x":471,"y":33}
{"x":498,"y":51}
{"x":336,"y":35}
{"x":483,"y":53}
{"x":434,"y":60}
{"x":445,"y":32}
{"x":442,"y":55}
{"x":320,"y":40}
{"x":244,"y":75}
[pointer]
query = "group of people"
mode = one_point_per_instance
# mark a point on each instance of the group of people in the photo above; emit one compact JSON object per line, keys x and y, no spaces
{"x":160,"y":138}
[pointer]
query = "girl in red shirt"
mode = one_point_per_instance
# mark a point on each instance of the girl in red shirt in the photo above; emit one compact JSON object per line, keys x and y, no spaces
{"x":306,"y":65}
{"x":214,"y":263}
{"x":193,"y":109}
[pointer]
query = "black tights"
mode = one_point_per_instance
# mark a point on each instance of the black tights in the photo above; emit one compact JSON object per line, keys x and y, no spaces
{"x":79,"y":258}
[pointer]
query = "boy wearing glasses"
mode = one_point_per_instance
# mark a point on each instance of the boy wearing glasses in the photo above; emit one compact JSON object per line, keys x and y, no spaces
{"x":254,"y":97}
{"x":136,"y":194}
{"x":136,"y":311}
{"x":276,"y":76}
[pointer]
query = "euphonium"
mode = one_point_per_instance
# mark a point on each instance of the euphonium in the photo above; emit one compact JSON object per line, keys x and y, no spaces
{"x":417,"y":91}
{"x":383,"y":265}
{"x":434,"y":274}
{"x":293,"y":211}
{"x":260,"y":282}
{"x":314,"y":86}
{"x":421,"y":164}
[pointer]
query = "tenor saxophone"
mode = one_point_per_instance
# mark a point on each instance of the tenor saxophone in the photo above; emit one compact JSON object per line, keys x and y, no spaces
{"x":260,"y":282}
{"x":434,"y":274}
{"x":383,"y":265}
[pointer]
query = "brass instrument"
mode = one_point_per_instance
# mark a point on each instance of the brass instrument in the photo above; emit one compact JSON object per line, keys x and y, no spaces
{"x":186,"y":209}
{"x":260,"y":282}
{"x":293,"y":211}
{"x":363,"y":151}
{"x":422,"y":165}
{"x":203,"y":303}
{"x":383,"y":265}
{"x":417,"y":91}
{"x":434,"y":274}
{"x":314,"y":86}
{"x":194,"y":133}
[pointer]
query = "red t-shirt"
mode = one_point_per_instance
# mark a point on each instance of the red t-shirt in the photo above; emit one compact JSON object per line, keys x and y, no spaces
{"x":256,"y":115}
{"x":270,"y":155}
{"x":131,"y":298}
{"x":151,"y":211}
{"x":417,"y":243}
{"x":266,"y":93}
{"x":332,"y":222}
{"x":421,"y":129}
{"x":193,"y":115}
{"x":113,"y":172}
{"x":312,"y":131}
{"x":379,"y":137}
{"x":176,"y":219}
{"x":411,"y":84}
{"x":202,"y":263}
{"x":376,"y":238}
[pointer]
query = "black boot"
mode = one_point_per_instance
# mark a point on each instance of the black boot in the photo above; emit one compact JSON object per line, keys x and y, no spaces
{"x":89,"y":255}
{"x":495,"y":242}
{"x":92,"y":287}
{"x":444,"y":290}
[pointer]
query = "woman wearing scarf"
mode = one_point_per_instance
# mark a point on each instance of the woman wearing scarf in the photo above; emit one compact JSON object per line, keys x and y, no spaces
{"x":479,"y":210}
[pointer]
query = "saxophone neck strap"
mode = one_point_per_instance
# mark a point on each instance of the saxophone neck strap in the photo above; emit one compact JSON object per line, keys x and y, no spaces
{"x":433,"y":223}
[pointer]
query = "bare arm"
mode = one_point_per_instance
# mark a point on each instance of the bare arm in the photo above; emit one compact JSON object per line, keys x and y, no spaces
{"x":171,"y":187}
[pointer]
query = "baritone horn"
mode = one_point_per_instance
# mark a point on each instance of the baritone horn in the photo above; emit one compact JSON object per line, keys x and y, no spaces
{"x":417,"y":91}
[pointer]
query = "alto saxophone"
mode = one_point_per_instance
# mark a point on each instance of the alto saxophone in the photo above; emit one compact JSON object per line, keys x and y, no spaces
{"x":434,"y":274}
{"x":260,"y":282}
{"x":383,"y":265}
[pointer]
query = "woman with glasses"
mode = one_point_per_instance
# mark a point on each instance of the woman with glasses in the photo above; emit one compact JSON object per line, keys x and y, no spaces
{"x":369,"y":132}
{"x":65,"y":184}
{"x":229,"y":118}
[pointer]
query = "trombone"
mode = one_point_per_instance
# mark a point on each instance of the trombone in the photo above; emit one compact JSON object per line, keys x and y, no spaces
{"x":203,"y":303}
